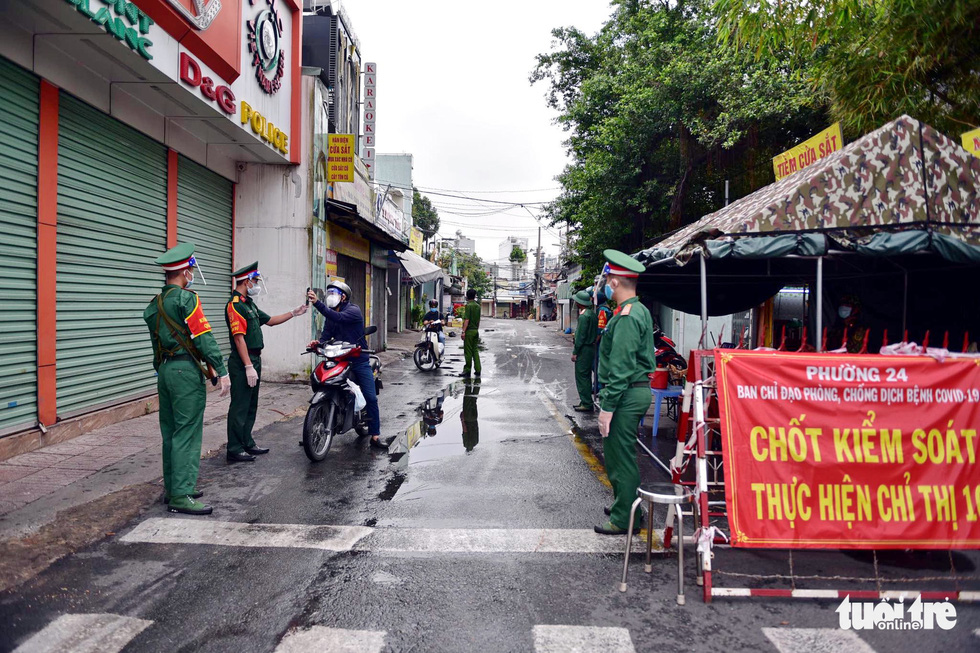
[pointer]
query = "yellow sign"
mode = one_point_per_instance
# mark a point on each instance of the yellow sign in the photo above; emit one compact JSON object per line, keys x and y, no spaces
{"x":415,"y":240}
{"x":971,"y":142}
{"x":340,"y":157}
{"x":807,"y":152}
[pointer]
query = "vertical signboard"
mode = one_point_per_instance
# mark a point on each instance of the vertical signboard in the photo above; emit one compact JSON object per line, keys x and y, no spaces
{"x":340,"y":157}
{"x":370,"y":114}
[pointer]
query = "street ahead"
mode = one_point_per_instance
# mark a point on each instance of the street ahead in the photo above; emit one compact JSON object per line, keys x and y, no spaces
{"x":478,"y":538}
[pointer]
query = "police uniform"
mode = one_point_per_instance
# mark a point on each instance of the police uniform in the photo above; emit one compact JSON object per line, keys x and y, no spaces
{"x":586,"y":333}
{"x":183,"y":348}
{"x":626,"y":357}
{"x":246,"y":319}
{"x":470,"y":416}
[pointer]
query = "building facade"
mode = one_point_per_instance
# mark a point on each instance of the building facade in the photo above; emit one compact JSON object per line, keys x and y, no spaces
{"x":128,"y":127}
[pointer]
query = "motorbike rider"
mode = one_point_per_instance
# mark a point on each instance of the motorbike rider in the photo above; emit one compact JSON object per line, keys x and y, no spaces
{"x":344,"y":322}
{"x":430,"y":318}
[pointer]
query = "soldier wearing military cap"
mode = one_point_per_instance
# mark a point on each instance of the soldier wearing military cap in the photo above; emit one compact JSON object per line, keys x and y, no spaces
{"x":184,"y":354}
{"x":583,"y":351}
{"x":626,"y":357}
{"x":245,"y":321}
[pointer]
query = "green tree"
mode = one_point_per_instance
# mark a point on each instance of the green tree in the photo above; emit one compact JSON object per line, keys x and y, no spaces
{"x":658,"y":117}
{"x":424,"y":215}
{"x":517,"y":255}
{"x":874,"y":60}
{"x":470,"y":267}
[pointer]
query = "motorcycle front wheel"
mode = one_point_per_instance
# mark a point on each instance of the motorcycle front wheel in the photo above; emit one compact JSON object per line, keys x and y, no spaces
{"x":318,"y":430}
{"x":424,"y":360}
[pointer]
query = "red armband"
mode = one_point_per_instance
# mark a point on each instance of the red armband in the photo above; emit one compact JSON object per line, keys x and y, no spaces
{"x":196,"y":322}
{"x":239,"y":326}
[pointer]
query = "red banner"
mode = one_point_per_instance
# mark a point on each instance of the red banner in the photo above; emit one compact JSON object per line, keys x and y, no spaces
{"x":850,"y":451}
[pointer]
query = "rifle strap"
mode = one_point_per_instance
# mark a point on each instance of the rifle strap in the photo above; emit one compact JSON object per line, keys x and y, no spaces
{"x":179,"y":334}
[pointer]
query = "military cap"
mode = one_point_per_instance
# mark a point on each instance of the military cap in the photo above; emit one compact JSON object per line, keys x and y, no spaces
{"x":177,"y":258}
{"x":249,"y":271}
{"x":583,"y":297}
{"x":621,"y":264}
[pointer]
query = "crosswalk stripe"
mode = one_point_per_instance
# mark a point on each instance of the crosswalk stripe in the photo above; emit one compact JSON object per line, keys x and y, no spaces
{"x":85,"y":633}
{"x":581,"y":639}
{"x":331,"y":640}
{"x":159,"y":530}
{"x":816,"y":640}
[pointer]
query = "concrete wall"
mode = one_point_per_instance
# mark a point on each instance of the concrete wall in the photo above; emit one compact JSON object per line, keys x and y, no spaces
{"x":273,"y":214}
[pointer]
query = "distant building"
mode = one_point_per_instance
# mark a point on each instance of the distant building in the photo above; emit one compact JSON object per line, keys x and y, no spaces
{"x":508,"y":270}
{"x":393,"y":172}
{"x":464,"y":244}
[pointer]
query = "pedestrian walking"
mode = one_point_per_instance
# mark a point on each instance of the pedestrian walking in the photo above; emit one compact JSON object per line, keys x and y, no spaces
{"x":344,"y":322}
{"x":185,"y":353}
{"x":471,"y":335}
{"x":245,"y":321}
{"x":584,"y":349}
{"x":626,"y":357}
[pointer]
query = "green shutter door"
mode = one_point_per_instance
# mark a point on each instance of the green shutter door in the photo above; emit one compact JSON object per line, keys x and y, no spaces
{"x":18,"y":246}
{"x":112,"y":223}
{"x":204,"y":218}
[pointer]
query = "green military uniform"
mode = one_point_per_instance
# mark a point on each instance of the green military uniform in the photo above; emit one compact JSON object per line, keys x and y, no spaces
{"x":626,"y":357}
{"x":246,"y":319}
{"x":471,"y":339}
{"x":180,"y":375}
{"x":586,"y":333}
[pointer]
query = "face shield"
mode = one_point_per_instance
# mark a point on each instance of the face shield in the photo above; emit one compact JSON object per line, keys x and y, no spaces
{"x":255,"y":284}
{"x":192,"y":265}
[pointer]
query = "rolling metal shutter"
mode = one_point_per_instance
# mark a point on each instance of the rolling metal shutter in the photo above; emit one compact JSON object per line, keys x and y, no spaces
{"x":204,"y":207}
{"x":351,"y":270}
{"x":18,"y":246}
{"x":112,"y":224}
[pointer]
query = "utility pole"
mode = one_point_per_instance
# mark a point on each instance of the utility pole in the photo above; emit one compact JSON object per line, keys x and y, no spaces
{"x":537,"y":278}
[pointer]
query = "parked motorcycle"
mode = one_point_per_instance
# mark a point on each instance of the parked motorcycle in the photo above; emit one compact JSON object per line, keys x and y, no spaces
{"x":666,"y":351}
{"x":429,"y":351}
{"x":332,"y":408}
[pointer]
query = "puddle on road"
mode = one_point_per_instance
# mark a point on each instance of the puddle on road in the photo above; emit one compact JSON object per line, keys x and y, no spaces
{"x":447,"y":425}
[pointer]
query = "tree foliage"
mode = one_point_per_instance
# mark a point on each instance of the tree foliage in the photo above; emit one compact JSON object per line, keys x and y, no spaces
{"x":875,"y":60}
{"x":424,"y":215}
{"x":658,"y":117}
{"x":470,"y":267}
{"x":517,"y":255}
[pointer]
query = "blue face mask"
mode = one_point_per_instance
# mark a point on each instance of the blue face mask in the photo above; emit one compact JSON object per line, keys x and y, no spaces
{"x":190,"y":282}
{"x":607,"y":291}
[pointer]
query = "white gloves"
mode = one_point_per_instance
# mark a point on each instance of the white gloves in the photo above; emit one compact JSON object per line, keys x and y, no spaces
{"x":251,"y":376}
{"x":605,"y":421}
{"x":225,"y":386}
{"x":299,"y":310}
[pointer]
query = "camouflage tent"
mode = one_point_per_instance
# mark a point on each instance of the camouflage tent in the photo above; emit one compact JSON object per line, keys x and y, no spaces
{"x":873,"y":197}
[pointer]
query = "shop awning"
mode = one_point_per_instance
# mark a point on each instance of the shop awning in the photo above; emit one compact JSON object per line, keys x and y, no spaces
{"x":346,"y":215}
{"x":418,"y":268}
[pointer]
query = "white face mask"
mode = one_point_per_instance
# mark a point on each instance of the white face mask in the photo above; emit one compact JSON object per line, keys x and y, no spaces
{"x":333,"y":300}
{"x":253,"y":291}
{"x":844,"y":312}
{"x":190,"y":281}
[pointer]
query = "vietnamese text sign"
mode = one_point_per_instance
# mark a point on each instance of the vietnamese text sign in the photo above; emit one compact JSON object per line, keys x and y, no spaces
{"x":971,"y":141}
{"x":850,"y":451}
{"x":340,"y":157}
{"x":807,"y":152}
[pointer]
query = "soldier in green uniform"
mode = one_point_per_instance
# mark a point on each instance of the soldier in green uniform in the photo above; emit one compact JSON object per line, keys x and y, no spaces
{"x":184,"y":353}
{"x":626,"y":357}
{"x":583,"y":352}
{"x":245,"y":320}
{"x":471,"y":335}
{"x":470,"y":416}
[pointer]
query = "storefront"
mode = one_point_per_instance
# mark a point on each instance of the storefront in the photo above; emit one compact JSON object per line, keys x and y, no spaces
{"x":125,"y":128}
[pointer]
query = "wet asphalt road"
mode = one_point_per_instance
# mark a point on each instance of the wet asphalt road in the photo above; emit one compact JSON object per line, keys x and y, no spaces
{"x":495,"y":455}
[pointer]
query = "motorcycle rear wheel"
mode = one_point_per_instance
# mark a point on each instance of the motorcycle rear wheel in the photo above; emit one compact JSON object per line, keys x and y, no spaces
{"x":424,"y":359}
{"x":318,"y":430}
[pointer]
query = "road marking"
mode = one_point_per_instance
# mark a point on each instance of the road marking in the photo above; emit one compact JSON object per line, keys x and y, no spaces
{"x":816,"y":640}
{"x":581,"y":639}
{"x":85,"y":633}
{"x":162,"y":530}
{"x":332,"y":640}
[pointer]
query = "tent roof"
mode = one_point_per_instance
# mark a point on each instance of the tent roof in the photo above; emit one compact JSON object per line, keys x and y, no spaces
{"x":866,"y":197}
{"x":418,"y":268}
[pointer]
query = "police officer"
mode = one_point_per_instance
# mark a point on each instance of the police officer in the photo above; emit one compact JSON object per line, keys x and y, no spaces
{"x":184,"y":353}
{"x":626,"y":357}
{"x":583,"y":352}
{"x":470,"y":416}
{"x":245,"y":320}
